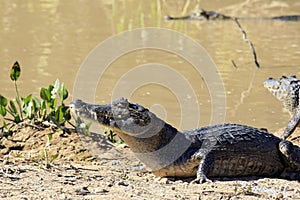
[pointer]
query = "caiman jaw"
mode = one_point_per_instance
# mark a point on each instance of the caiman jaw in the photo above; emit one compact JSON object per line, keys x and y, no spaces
{"x":87,"y":111}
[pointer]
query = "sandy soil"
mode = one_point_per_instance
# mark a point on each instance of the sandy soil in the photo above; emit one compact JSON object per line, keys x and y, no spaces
{"x":90,"y":167}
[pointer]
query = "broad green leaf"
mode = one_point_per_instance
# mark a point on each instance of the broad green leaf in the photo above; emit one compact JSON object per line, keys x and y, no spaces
{"x":63,"y":92}
{"x":3,"y":101}
{"x":50,"y":88}
{"x":43,"y":105}
{"x":36,"y":104}
{"x":15,"y":71}
{"x":59,"y":115}
{"x":27,"y":99}
{"x":67,"y":114}
{"x":2,"y":110}
{"x":45,"y":94}
{"x":52,"y":104}
{"x":13,"y":107}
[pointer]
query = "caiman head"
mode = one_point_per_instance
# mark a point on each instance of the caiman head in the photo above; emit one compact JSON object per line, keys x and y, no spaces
{"x":122,"y":116}
{"x":286,"y":90}
{"x":156,"y":143}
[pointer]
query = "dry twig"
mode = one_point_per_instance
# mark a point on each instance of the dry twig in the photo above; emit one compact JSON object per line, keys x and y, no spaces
{"x":247,"y":41}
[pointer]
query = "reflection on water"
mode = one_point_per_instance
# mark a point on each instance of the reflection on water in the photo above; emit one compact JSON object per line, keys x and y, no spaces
{"x":51,"y":39}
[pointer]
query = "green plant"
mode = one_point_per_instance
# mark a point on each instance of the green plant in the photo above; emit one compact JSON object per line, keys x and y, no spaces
{"x":113,"y":137}
{"x":14,"y":75}
{"x":248,"y":190}
{"x":11,"y":108}
{"x":48,"y":160}
{"x":235,"y":190}
{"x":52,"y":106}
{"x":47,"y":111}
{"x":82,"y":126}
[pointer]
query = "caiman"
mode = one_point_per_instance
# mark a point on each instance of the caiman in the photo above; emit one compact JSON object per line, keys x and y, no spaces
{"x":223,"y":150}
{"x":201,"y":14}
{"x":286,"y":89}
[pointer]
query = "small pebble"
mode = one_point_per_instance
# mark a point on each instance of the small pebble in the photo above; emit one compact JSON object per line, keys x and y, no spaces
{"x":279,"y":196}
{"x":110,"y":185}
{"x":122,"y":183}
{"x":103,"y":191}
{"x":82,"y":191}
{"x":163,"y":181}
{"x":296,"y":190}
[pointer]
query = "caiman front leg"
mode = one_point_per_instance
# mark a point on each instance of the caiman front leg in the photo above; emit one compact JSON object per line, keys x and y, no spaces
{"x":292,"y":124}
{"x":206,"y":161}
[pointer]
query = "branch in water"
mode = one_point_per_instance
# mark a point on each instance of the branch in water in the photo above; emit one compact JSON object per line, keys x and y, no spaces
{"x":248,"y":41}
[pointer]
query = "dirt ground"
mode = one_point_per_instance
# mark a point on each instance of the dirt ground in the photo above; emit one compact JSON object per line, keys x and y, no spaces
{"x":90,"y":167}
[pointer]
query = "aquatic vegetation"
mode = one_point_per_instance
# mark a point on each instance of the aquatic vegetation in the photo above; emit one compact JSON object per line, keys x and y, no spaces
{"x":46,"y":111}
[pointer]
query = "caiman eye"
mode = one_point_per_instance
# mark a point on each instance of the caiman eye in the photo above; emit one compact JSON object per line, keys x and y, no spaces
{"x":137,"y":121}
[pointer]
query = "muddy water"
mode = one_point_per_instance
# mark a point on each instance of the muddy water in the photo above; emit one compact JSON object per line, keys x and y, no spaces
{"x":52,"y":38}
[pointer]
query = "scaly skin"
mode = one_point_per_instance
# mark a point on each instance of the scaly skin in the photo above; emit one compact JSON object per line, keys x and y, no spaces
{"x":224,"y":150}
{"x":286,"y":90}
